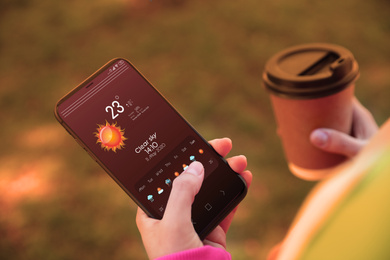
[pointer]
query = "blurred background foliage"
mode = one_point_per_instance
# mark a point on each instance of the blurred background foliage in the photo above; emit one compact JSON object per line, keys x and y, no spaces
{"x":206,"y":57}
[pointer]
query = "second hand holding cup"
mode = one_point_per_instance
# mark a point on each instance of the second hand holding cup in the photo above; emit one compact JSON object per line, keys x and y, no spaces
{"x":311,"y":86}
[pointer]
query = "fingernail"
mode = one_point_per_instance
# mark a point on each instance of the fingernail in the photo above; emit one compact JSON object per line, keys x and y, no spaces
{"x":195,"y":168}
{"x":319,"y":138}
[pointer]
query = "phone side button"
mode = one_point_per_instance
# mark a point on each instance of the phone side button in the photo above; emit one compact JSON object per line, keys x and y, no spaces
{"x":80,"y":143}
{"x":92,"y":155}
{"x":98,"y":162}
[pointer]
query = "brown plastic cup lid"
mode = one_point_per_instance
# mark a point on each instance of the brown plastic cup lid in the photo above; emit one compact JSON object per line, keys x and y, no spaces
{"x":310,"y":71}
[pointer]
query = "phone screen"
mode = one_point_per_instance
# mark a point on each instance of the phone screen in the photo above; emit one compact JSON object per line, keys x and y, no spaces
{"x":126,"y":125}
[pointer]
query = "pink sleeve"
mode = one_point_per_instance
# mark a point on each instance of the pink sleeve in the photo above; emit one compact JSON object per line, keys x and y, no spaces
{"x":204,"y":253}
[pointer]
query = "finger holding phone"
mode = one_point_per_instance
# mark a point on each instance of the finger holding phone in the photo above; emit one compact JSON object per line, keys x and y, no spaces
{"x":174,"y":232}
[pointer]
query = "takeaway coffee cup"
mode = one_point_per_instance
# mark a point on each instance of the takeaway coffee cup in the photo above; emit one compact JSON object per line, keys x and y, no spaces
{"x":311,"y":86}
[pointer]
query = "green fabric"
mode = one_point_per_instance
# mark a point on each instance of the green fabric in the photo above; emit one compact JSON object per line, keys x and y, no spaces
{"x":360,"y":226}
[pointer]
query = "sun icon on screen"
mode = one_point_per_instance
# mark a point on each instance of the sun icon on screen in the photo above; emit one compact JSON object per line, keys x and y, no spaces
{"x":110,"y":136}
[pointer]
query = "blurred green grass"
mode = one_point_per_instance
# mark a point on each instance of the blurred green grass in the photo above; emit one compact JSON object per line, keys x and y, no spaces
{"x":206,"y":57}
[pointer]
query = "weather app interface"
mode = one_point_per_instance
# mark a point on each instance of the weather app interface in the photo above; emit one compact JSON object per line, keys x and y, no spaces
{"x":135,"y":133}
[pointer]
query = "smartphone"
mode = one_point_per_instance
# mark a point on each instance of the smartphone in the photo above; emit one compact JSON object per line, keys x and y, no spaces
{"x":143,"y":143}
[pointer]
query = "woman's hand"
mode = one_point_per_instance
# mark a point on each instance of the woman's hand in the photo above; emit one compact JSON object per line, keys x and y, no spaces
{"x":363,"y":128}
{"x":175,"y":232}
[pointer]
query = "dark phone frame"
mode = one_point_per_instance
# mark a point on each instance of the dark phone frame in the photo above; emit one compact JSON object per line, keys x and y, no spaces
{"x":217,"y":218}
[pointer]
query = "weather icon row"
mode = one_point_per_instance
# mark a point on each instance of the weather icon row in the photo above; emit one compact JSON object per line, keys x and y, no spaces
{"x":168,"y":181}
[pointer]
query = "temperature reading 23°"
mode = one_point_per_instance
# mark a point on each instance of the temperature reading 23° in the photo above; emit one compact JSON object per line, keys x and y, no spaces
{"x":115,"y":109}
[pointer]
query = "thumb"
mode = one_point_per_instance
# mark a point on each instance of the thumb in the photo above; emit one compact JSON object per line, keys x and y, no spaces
{"x":183,"y":192}
{"x":333,"y":141}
